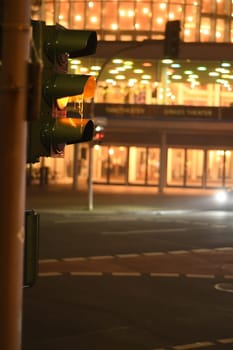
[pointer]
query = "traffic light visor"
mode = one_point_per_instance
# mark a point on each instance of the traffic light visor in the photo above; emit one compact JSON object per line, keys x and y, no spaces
{"x":72,"y":130}
{"x":62,"y":87}
{"x":76,"y":43}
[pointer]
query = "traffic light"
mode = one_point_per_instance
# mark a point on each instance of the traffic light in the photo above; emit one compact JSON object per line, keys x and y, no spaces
{"x":172,"y":39}
{"x":98,"y":135}
{"x":52,"y":129}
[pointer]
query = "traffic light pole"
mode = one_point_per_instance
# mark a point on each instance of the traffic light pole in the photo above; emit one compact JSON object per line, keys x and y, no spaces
{"x":90,"y":178}
{"x":15,"y":37}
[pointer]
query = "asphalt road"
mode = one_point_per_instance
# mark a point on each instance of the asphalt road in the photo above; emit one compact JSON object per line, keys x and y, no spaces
{"x":155,"y":279}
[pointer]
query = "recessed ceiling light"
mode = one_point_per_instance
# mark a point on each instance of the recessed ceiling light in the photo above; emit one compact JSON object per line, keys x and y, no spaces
{"x":202,"y":68}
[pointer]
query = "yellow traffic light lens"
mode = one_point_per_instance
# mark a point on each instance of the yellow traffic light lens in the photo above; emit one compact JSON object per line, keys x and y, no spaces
{"x":88,"y":92}
{"x":89,"y":88}
{"x":62,"y":102}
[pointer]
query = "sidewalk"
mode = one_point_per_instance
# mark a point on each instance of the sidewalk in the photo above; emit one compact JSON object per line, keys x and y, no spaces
{"x":107,"y":198}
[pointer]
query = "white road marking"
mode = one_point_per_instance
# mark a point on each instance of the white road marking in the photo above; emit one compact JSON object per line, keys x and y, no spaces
{"x":177,"y":252}
{"x":158,"y":230}
{"x":86,"y":273}
{"x":197,"y":345}
{"x":74,"y":259}
{"x":193,"y":275}
{"x":225,"y":341}
{"x":126,"y":274}
{"x":157,"y":274}
{"x":200,"y":223}
{"x":49,"y":274}
{"x":224,"y":287}
{"x":224,"y":249}
{"x":101,"y":257}
{"x":153,"y":253}
{"x":127,"y":255}
{"x":219,"y":226}
{"x":45,"y":261}
{"x":201,"y":250}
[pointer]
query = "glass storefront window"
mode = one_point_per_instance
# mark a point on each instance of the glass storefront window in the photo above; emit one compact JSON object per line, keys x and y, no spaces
{"x":63,"y":13}
{"x":93,"y":15}
{"x":49,"y":10}
{"x":137,"y":165}
{"x":194,"y":167}
{"x":220,"y":30}
{"x":215,"y":168}
{"x":191,"y":18}
{"x":126,"y":15}
{"x":153,"y":166}
{"x":208,"y":6}
{"x":159,"y":16}
{"x":176,"y":12}
{"x":206,"y":29}
{"x":100,"y":164}
{"x":175,"y":166}
{"x":143,"y":16}
{"x":219,"y":168}
{"x":223,"y":7}
{"x":77,"y":15}
{"x":110,"y":16}
{"x":117,"y":164}
{"x":229,"y":168}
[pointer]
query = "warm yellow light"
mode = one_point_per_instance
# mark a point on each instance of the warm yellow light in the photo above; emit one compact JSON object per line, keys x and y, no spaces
{"x":95,"y":68}
{"x":114,"y":26}
{"x":146,"y":76}
{"x":176,"y":77}
{"x":113,"y":71}
{"x":120,"y":77}
{"x":159,"y":20}
{"x":78,"y":18}
{"x":130,"y":13}
{"x":75,"y":61}
{"x":117,"y":60}
{"x":83,"y":69}
{"x":145,"y":10}
{"x":62,"y":102}
{"x":167,"y":61}
{"x":93,"y":19}
{"x":163,"y":6}
{"x":138,"y":71}
{"x":89,"y":88}
{"x":171,"y":15}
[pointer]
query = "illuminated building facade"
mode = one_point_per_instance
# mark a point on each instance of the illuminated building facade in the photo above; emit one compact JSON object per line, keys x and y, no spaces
{"x":167,"y":122}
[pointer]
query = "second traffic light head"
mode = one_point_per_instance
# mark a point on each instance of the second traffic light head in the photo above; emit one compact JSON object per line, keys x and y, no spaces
{"x":172,"y":39}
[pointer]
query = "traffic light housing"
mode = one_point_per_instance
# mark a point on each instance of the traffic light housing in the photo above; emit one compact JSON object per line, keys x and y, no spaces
{"x":52,"y":129}
{"x":172,"y":39}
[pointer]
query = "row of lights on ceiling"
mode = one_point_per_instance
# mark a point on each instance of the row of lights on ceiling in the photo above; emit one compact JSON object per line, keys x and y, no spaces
{"x":222,"y":74}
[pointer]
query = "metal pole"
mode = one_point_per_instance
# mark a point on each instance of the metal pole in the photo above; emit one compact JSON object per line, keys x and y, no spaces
{"x":15,"y":32}
{"x":75,"y":168}
{"x":90,"y":175}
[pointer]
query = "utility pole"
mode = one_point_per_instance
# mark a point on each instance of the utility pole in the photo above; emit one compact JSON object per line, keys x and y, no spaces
{"x":15,"y":39}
